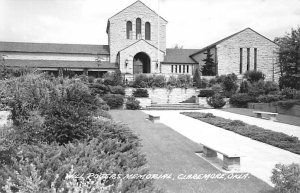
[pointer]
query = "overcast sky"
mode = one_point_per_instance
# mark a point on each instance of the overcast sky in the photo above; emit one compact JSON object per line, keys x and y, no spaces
{"x":191,"y":23}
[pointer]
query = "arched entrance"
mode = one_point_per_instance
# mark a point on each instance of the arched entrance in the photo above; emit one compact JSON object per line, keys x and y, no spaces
{"x":141,"y":63}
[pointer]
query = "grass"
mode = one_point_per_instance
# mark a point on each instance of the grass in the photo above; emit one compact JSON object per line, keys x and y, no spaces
{"x":277,"y":139}
{"x":168,"y":152}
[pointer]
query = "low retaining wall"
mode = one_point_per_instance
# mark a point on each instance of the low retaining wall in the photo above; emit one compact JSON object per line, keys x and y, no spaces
{"x":165,"y":96}
{"x":271,"y":107}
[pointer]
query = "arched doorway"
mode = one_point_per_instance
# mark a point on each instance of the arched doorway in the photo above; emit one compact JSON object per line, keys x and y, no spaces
{"x":141,"y":63}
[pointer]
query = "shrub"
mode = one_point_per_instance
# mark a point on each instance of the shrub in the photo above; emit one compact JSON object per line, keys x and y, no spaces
{"x":143,"y":93}
{"x":212,"y":82}
{"x":291,"y":81}
{"x":269,"y":98}
{"x":113,"y":78}
{"x":289,"y":93}
{"x":91,"y":79}
{"x":286,"y":178}
{"x":257,"y":88}
{"x":254,"y":76}
{"x":103,"y":113}
{"x":114,"y":101}
{"x":172,"y":81}
{"x":99,"y":89}
{"x":287,"y":104}
{"x":117,"y":90}
{"x":204,"y":83}
{"x":140,"y":81}
{"x":132,"y":103}
{"x":217,"y":88}
{"x":206,"y":93}
{"x":244,"y":87}
{"x":159,"y":81}
{"x":216,"y":101}
{"x":241,"y":100}
{"x":271,"y":87}
{"x":184,"y":81}
{"x":197,"y":78}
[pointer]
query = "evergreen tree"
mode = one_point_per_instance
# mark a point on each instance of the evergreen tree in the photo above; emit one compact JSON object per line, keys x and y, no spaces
{"x":208,"y":68}
{"x":197,"y":78}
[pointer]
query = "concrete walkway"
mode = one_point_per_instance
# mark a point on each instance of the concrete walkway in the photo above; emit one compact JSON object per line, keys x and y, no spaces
{"x":259,"y":158}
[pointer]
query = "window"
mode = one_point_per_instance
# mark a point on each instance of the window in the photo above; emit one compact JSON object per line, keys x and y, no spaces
{"x":172,"y":68}
{"x":148,"y":31}
{"x":248,"y":59}
{"x":138,"y":28}
{"x":187,"y":69}
{"x":128,"y":29}
{"x":179,"y":68}
{"x":183,"y":68}
{"x":255,"y":59}
{"x":241,"y":60}
{"x":175,"y":68}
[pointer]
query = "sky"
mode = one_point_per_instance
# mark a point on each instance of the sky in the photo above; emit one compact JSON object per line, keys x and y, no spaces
{"x":191,"y":23}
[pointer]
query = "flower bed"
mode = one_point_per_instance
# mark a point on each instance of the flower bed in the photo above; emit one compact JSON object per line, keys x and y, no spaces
{"x":276,"y":139}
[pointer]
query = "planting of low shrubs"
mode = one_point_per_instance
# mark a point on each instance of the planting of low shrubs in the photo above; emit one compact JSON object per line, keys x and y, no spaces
{"x":142,"y":93}
{"x":271,"y":87}
{"x":291,"y":81}
{"x":114,"y":101}
{"x":244,"y":87}
{"x":117,"y":90}
{"x":113,"y":78}
{"x":132,"y":103}
{"x":254,"y":76}
{"x":184,"y":81}
{"x":206,"y":93}
{"x":286,"y":178}
{"x":98,"y":89}
{"x":140,"y":81}
{"x":212,"y":82}
{"x":287,"y":104}
{"x":289,"y":93}
{"x":269,"y":98}
{"x":216,"y":101}
{"x":241,"y":100}
{"x":256,"y":88}
{"x":277,"y":139}
{"x":172,"y":81}
{"x":159,"y":81}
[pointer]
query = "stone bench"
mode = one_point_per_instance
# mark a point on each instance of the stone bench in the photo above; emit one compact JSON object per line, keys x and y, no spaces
{"x":154,"y":118}
{"x":272,"y":116}
{"x":231,"y":160}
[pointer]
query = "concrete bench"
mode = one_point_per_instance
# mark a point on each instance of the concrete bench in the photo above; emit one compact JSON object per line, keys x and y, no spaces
{"x":154,"y":118}
{"x":231,"y":160}
{"x":272,"y":116}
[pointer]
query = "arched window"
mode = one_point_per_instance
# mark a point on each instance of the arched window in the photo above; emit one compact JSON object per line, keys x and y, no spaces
{"x":148,"y":31}
{"x":138,"y":28}
{"x":128,"y":29}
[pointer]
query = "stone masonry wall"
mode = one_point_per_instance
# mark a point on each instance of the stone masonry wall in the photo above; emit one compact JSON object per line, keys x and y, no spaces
{"x":228,"y":53}
{"x":164,"y":96}
{"x":117,"y":31}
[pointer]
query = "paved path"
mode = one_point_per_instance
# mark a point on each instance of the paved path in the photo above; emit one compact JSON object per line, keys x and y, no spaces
{"x":260,"y":158}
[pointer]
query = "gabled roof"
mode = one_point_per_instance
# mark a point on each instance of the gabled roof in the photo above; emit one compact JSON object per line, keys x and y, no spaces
{"x":53,"y":48}
{"x":222,"y":40}
{"x":139,"y":41}
{"x":179,"y":56}
{"x":138,"y":1}
{"x":59,"y":64}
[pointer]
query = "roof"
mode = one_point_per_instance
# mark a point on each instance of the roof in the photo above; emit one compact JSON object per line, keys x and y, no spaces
{"x":222,"y":40}
{"x":180,"y":56}
{"x":53,"y":48}
{"x":130,"y":6}
{"x":59,"y":64}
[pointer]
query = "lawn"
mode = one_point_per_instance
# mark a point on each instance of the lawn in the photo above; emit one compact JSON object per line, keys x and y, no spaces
{"x":168,"y":152}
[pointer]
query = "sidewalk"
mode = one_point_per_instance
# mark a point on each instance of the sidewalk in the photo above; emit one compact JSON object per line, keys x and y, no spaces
{"x":259,"y":158}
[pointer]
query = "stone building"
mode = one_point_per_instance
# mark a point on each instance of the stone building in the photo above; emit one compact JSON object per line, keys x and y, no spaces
{"x":137,"y":44}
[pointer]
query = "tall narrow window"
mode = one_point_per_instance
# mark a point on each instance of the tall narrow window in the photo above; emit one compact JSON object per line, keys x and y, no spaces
{"x":255,"y":59}
{"x":172,"y":68}
{"x":175,"y":68}
{"x":183,"y":68}
{"x":128,"y":29}
{"x":187,"y":69}
{"x":248,"y":59}
{"x":179,"y":68}
{"x":241,"y":60}
{"x":148,"y":31}
{"x":138,"y":28}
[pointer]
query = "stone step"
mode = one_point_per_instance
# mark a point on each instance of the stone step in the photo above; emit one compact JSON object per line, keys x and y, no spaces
{"x":174,"y":107}
{"x":176,"y":104}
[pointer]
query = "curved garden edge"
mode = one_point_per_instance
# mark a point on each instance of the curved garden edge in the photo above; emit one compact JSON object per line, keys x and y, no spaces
{"x":273,"y":138}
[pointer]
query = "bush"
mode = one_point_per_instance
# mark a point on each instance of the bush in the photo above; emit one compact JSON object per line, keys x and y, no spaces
{"x":254,"y":76}
{"x":132,"y":103}
{"x":257,"y":88}
{"x":206,"y":93}
{"x":140,"y":81}
{"x":98,"y":89}
{"x":212,"y":82}
{"x":114,"y":101}
{"x":287,"y":104}
{"x":172,"y":81}
{"x":184,"y":81}
{"x":244,"y":87}
{"x":271,"y":87}
{"x":117,"y":90}
{"x":291,"y":81}
{"x":113,"y":78}
{"x":289,"y":93}
{"x":159,"y":81}
{"x":204,"y":83}
{"x":286,"y":178}
{"x":143,"y":93}
{"x":269,"y":98}
{"x":197,"y":78}
{"x":217,"y":88}
{"x":241,"y":100}
{"x":216,"y":101}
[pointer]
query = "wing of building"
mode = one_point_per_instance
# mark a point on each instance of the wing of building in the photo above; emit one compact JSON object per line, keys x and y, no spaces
{"x":137,"y":44}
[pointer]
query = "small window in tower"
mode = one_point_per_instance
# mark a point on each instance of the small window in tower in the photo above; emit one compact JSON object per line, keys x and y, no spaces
{"x":148,"y":31}
{"x":183,"y":68}
{"x":179,"y":68}
{"x":129,"y":30}
{"x":187,"y":68}
{"x":138,"y":28}
{"x":172,"y":68}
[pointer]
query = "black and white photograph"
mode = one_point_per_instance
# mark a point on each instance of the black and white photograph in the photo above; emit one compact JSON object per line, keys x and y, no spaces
{"x":150,"y":96}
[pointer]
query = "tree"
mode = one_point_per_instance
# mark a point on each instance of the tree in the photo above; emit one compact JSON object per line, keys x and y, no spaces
{"x":289,"y":59}
{"x":197,"y":78}
{"x":178,"y":47}
{"x":208,"y":68}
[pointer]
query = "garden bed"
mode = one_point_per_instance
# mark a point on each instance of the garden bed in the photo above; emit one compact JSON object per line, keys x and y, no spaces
{"x":273,"y":138}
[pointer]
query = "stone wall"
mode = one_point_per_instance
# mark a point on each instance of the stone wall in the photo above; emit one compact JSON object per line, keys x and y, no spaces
{"x":117,"y":29}
{"x":164,"y":96}
{"x":228,"y":54}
